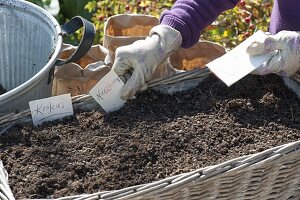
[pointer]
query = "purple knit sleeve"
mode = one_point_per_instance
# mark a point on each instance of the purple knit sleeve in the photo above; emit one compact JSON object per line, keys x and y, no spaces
{"x":285,"y":16}
{"x":190,"y":17}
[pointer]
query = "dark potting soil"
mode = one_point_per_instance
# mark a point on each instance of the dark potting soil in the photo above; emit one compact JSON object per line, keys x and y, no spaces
{"x":2,"y":90}
{"x":153,"y":137}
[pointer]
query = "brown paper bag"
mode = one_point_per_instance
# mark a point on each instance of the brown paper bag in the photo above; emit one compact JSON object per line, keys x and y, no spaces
{"x":196,"y":56}
{"x":81,"y":76}
{"x":124,"y":29}
{"x":189,"y":59}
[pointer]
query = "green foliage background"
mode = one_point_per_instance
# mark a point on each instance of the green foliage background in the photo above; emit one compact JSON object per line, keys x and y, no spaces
{"x":231,"y":27}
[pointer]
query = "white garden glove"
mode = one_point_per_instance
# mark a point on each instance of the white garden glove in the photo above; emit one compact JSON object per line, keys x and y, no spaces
{"x":286,"y":60}
{"x":144,"y":57}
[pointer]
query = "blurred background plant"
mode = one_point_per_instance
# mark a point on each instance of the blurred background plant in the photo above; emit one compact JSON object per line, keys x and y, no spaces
{"x":234,"y":26}
{"x":231,"y":28}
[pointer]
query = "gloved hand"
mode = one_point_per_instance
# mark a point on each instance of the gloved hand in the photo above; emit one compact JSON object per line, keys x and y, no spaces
{"x":286,"y":60}
{"x":144,"y":57}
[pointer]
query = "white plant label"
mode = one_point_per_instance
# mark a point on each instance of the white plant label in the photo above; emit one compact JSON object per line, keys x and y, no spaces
{"x":236,"y":64}
{"x":51,"y":108}
{"x":107,"y":92}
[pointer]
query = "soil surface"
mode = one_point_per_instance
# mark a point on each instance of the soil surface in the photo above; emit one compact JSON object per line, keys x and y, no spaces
{"x":2,"y":90}
{"x":153,"y":137}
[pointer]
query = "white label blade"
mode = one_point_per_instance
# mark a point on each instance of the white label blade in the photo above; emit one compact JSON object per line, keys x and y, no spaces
{"x":236,"y":64}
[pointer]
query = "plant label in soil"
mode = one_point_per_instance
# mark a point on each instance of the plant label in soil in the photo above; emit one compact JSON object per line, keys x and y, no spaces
{"x":236,"y":64}
{"x":51,"y":108}
{"x":107,"y":92}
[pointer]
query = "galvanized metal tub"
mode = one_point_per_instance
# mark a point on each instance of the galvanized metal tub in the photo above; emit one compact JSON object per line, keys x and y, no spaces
{"x":30,"y":42}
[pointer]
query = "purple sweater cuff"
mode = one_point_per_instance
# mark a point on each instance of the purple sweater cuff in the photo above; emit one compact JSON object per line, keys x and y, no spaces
{"x":190,"y":17}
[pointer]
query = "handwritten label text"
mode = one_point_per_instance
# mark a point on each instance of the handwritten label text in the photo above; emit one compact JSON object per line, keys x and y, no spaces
{"x":50,"y":109}
{"x":107,"y":92}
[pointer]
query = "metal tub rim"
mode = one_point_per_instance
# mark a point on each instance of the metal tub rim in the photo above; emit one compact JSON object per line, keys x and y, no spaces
{"x":44,"y":71}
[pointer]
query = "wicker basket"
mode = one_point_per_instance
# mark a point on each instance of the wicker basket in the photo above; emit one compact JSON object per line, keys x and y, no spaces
{"x":271,"y":174}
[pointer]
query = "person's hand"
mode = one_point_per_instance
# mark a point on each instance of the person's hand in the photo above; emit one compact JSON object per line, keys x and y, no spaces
{"x":137,"y":62}
{"x":286,"y":60}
